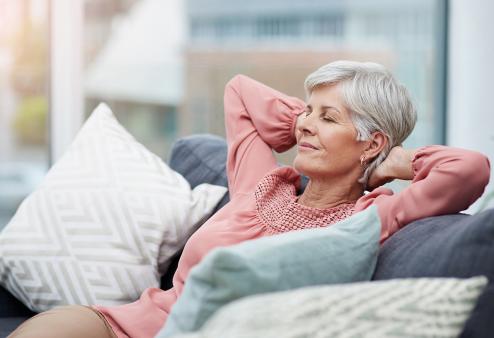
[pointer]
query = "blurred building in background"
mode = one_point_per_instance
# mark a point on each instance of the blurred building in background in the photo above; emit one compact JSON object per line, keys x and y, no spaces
{"x":134,"y":63}
{"x":162,"y":66}
{"x":280,"y":43}
{"x":100,"y":17}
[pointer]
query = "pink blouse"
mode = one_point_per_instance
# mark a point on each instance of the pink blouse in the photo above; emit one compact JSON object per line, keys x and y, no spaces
{"x":263,"y":197}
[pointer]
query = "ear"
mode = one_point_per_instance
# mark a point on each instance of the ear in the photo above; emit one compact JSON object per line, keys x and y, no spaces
{"x":375,"y":145}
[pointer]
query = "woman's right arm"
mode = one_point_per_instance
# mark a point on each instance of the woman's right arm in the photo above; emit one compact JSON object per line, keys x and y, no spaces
{"x":258,"y":119}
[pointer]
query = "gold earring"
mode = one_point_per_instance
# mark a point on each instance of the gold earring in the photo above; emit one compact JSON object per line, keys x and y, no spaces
{"x":362,"y":160}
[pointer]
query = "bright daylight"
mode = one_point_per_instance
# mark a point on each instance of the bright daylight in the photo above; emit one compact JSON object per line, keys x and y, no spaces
{"x":225,"y":168}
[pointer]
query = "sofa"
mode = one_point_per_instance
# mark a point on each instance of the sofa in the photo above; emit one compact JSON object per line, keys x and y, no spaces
{"x":457,"y":245}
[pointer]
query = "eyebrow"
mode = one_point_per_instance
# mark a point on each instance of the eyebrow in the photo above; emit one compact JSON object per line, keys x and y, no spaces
{"x":326,"y":107}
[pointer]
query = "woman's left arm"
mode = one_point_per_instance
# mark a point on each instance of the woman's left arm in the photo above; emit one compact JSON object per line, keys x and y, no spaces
{"x":445,"y":180}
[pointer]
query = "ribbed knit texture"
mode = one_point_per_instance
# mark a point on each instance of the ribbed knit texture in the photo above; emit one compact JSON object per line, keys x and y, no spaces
{"x":278,"y":210}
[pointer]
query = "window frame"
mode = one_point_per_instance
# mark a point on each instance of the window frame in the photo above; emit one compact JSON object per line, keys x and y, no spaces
{"x":66,"y":74}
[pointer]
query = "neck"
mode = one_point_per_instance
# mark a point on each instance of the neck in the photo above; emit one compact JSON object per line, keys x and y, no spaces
{"x":324,"y":194}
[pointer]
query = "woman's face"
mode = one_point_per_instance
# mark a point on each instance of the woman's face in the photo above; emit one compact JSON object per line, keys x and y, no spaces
{"x":326,"y":137}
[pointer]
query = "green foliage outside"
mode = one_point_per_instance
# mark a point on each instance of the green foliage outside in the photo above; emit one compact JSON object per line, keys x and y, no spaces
{"x":30,"y":123}
{"x":29,"y":79}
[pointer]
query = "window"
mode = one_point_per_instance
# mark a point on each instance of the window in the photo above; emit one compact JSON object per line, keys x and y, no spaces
{"x":162,"y":66}
{"x":24,"y":102}
{"x":329,"y":25}
{"x":278,"y":27}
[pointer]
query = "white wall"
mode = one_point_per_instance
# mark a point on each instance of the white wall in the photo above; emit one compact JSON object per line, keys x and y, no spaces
{"x":471,"y":79}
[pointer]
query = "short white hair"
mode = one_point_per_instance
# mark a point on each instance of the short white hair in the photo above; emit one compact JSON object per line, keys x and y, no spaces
{"x":376,"y":101}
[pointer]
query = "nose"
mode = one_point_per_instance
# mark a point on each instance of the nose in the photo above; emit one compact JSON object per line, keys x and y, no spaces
{"x":305,"y":124}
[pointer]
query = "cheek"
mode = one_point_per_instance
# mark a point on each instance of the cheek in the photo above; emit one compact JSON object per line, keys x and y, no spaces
{"x":336,"y":142}
{"x":342,"y":151}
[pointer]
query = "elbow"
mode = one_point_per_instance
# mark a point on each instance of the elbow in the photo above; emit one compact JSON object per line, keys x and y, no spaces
{"x":480,"y":169}
{"x":477,"y":172}
{"x":485,"y":172}
{"x":233,"y":103}
{"x":234,"y":84}
{"x":232,"y":92}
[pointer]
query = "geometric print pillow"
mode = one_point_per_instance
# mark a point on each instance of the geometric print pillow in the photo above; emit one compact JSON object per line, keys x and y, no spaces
{"x":397,"y":308}
{"x":103,"y":224}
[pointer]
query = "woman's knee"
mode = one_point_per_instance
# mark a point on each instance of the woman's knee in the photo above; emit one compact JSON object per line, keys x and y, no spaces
{"x":73,"y":321}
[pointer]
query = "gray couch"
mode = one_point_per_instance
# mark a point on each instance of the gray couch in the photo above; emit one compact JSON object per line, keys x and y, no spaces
{"x":444,"y":246}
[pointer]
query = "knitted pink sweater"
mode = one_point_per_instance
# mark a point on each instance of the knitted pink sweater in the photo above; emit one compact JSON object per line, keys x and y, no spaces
{"x":264,"y":202}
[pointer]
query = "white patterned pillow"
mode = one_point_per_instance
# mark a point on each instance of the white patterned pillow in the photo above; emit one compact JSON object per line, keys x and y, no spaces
{"x":422,"y":307}
{"x":103,"y":224}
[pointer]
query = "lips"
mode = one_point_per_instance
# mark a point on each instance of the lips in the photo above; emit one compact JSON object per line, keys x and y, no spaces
{"x":307,"y":145}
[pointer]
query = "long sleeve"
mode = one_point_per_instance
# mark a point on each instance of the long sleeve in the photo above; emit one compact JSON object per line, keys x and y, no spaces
{"x":446,"y":180}
{"x":258,"y":120}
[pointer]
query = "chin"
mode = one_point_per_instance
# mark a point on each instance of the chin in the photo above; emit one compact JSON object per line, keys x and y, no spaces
{"x":310,"y":167}
{"x":301,"y":165}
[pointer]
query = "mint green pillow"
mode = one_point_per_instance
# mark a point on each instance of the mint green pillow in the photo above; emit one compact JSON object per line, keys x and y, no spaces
{"x":341,"y":253}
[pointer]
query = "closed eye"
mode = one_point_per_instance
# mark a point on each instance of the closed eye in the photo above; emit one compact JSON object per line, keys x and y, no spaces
{"x":307,"y":110}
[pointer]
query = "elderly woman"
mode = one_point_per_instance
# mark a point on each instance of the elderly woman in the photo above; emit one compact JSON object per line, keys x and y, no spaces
{"x":348,"y":137}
